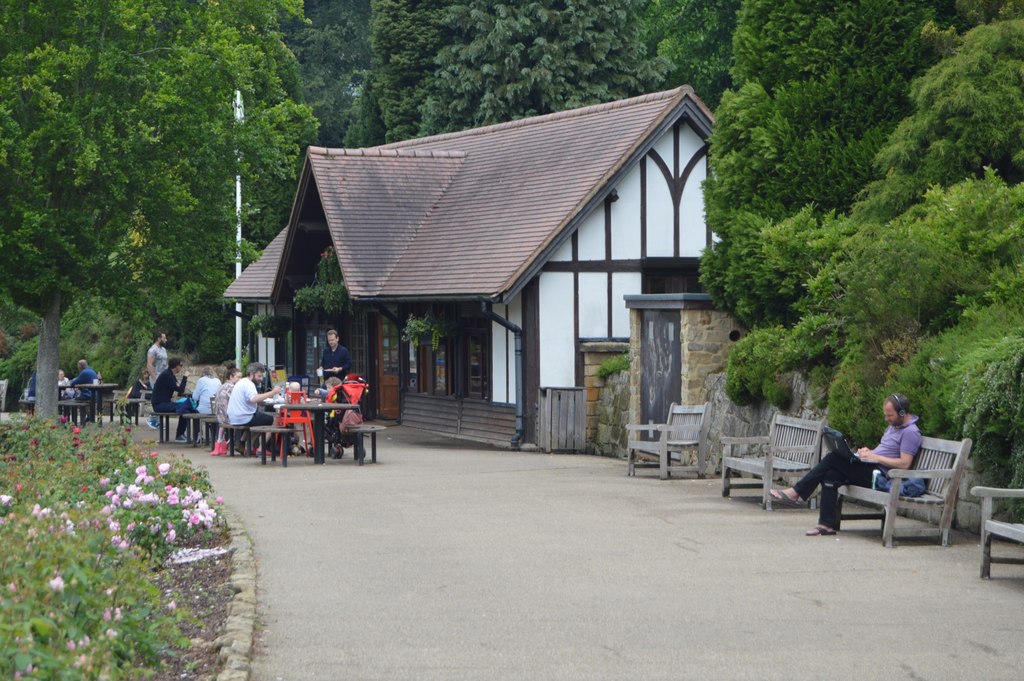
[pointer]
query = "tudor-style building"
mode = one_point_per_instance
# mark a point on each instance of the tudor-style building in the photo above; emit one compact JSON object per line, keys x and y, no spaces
{"x":527,"y":234}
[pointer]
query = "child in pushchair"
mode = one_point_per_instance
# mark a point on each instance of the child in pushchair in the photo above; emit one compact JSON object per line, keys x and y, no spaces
{"x":351,"y":390}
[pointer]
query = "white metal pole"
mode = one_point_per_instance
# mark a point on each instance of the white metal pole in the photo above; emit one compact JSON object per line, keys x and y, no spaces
{"x":239,"y":118}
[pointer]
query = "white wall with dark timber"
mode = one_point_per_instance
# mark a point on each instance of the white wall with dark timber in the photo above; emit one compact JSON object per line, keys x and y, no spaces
{"x":593,"y":304}
{"x":660,"y":209}
{"x":623,"y":284}
{"x":266,"y":347}
{"x":692,"y":225}
{"x":564,"y":252}
{"x":557,"y":330}
{"x":591,"y":237}
{"x":503,"y":352}
{"x":626,"y":218}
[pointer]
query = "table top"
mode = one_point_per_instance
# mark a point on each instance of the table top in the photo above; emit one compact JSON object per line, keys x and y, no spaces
{"x":312,"y":406}
{"x":91,"y":386}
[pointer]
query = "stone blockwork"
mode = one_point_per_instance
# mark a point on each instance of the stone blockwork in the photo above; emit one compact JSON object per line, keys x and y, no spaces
{"x":611,"y":414}
{"x":706,"y":336}
{"x":607,"y":399}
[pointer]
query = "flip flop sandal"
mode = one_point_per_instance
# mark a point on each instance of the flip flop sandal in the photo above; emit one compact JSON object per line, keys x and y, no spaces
{"x":780,"y":497}
{"x":819,"y":531}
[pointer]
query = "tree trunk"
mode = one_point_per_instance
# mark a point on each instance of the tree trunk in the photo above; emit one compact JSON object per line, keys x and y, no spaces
{"x":48,"y":361}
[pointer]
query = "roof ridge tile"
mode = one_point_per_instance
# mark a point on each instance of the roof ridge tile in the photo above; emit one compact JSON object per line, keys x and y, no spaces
{"x":545,"y":118}
{"x":381,"y":152}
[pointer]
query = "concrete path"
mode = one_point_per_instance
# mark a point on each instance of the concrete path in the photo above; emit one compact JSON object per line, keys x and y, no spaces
{"x":450,"y":561}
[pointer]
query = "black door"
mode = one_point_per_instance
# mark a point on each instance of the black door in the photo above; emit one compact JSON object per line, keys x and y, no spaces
{"x":660,"y":364}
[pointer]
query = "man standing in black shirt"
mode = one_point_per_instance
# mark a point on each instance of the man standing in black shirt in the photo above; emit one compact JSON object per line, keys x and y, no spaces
{"x":336,"y":361}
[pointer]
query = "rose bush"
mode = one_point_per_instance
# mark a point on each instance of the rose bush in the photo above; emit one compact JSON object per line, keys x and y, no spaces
{"x":85,"y":516}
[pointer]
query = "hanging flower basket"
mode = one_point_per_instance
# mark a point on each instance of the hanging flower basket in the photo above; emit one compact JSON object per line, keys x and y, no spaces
{"x":270,"y":326}
{"x":427,"y":328}
{"x":328,"y":292}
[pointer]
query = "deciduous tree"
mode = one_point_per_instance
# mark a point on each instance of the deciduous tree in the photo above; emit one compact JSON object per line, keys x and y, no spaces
{"x":118,"y":146}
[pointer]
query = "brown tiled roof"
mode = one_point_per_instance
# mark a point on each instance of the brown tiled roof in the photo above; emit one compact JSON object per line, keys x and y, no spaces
{"x":469,"y":213}
{"x":257,"y":280}
{"x":375,"y":201}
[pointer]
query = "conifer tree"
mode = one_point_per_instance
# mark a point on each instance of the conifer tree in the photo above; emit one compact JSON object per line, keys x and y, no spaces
{"x":332,"y":46}
{"x":406,"y":36}
{"x":816,"y":94}
{"x":512,"y":60}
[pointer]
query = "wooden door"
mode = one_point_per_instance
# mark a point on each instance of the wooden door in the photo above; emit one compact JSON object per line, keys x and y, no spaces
{"x":661,"y":380}
{"x":388,"y":347}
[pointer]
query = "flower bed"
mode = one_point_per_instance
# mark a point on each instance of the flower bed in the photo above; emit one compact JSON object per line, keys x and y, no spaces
{"x":85,"y":518}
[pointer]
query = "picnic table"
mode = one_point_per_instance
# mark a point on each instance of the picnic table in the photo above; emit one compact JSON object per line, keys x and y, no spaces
{"x":318,"y":410}
{"x":95,"y":401}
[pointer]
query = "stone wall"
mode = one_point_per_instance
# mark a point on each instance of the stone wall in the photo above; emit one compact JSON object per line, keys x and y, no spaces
{"x":729,"y":419}
{"x":607,"y":400}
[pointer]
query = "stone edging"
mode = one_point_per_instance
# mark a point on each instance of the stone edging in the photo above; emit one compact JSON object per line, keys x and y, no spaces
{"x":235,"y":643}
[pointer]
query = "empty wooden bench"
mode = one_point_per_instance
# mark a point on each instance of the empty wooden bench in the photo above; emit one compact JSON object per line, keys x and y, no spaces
{"x":361,"y":431}
{"x":686,"y":429}
{"x":990,"y":527}
{"x":941,"y":464}
{"x":791,"y":447}
{"x":262,"y":435}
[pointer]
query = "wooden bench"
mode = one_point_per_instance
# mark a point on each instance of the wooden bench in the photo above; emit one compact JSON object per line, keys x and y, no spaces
{"x":194,"y":428}
{"x":76,"y":411}
{"x":260,"y":434}
{"x":941,"y":464}
{"x":997,"y":528}
{"x":686,"y":429}
{"x":210,"y":425}
{"x":234,"y":432}
{"x":790,"y":449}
{"x":361,"y":431}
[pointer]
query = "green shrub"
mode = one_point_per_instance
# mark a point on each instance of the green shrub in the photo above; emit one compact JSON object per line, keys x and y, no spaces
{"x":757,"y":366}
{"x":84,"y":516}
{"x":989,"y":405}
{"x":614,"y":365}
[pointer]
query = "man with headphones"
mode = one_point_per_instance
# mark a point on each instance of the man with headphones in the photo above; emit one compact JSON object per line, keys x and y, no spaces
{"x":899,"y":445}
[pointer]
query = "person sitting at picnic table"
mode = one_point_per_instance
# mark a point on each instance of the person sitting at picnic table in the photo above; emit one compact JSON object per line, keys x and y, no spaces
{"x":206,"y":388}
{"x":163,"y":396}
{"x":243,"y":406}
{"x":63,"y":382}
{"x":899,"y":445}
{"x":232,"y":375}
{"x":86,"y":376}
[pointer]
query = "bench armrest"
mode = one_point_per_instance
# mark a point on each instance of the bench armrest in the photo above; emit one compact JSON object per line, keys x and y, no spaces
{"x":645,"y":427}
{"x":793,"y":448}
{"x":906,"y":473}
{"x":998,"y":492}
{"x":756,"y":440}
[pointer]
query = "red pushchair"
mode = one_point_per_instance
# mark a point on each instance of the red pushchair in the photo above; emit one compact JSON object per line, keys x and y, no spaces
{"x":351,"y":391}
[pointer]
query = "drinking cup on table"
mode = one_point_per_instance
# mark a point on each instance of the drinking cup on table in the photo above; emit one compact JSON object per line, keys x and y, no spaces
{"x":320,"y":372}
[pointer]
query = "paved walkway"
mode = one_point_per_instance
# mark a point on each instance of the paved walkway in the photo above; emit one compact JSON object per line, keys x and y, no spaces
{"x":451,"y":561}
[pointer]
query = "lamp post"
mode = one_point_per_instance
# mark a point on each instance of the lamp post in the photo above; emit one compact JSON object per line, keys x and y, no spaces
{"x":239,"y":118}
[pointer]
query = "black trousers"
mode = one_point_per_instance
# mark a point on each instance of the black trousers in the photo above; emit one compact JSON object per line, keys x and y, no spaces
{"x":173,"y":408}
{"x":832,"y":472}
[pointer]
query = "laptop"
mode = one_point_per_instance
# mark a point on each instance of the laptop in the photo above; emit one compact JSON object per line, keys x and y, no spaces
{"x":836,"y":442}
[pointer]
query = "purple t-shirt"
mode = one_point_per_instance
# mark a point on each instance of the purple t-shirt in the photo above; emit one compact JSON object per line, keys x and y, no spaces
{"x":897,"y":439}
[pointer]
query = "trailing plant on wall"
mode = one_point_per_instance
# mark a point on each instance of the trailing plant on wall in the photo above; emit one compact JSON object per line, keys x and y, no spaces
{"x":614,"y":365}
{"x":416,"y":327}
{"x":328,"y":292}
{"x":269,"y":326}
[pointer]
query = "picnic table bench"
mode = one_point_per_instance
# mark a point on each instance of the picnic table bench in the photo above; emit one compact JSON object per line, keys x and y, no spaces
{"x":990,"y":527}
{"x":361,"y":431}
{"x":941,"y":464}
